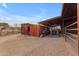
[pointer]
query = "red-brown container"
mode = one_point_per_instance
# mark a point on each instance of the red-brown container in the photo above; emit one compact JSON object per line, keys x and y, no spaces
{"x":25,"y":29}
{"x":36,"y":30}
{"x":32,"y":29}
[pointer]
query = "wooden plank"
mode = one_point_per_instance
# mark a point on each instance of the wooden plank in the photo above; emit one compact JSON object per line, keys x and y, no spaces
{"x":71,"y":38}
{"x":72,"y":29}
{"x":72,"y":34}
{"x":78,"y":25}
{"x":69,"y":18}
{"x":71,"y":24}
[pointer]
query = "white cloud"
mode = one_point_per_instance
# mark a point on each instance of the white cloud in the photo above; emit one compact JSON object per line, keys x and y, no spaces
{"x":5,"y":5}
{"x":12,"y":19}
{"x":16,"y":19}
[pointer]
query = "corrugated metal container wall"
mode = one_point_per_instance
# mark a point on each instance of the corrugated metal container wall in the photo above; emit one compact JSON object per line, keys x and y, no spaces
{"x":36,"y":29}
{"x":32,"y":29}
{"x":25,"y":29}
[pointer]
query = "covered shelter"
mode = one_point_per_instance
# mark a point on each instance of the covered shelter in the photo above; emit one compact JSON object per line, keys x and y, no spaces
{"x":68,"y":22}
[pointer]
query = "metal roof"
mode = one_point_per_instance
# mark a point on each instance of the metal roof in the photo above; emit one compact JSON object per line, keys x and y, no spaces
{"x":68,"y":10}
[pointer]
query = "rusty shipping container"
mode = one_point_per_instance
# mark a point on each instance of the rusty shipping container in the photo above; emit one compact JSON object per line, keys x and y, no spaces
{"x":25,"y":29}
{"x":32,"y":29}
{"x":36,"y":30}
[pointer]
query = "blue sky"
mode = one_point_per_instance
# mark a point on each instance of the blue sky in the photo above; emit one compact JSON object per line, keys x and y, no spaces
{"x":17,"y":13}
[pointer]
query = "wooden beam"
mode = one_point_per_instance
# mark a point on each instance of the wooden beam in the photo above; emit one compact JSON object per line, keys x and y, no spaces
{"x":78,"y":25}
{"x":72,"y":29}
{"x":71,"y":38}
{"x":72,"y":34}
{"x":71,"y":24}
{"x":73,"y":17}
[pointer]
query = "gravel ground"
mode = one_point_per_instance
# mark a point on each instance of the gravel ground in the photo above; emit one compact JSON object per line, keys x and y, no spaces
{"x":20,"y":45}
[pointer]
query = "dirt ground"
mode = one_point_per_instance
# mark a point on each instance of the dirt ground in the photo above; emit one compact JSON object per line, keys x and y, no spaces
{"x":20,"y":45}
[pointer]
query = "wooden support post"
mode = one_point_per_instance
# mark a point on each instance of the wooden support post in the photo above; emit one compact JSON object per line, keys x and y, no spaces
{"x":78,"y":25}
{"x":64,"y":30}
